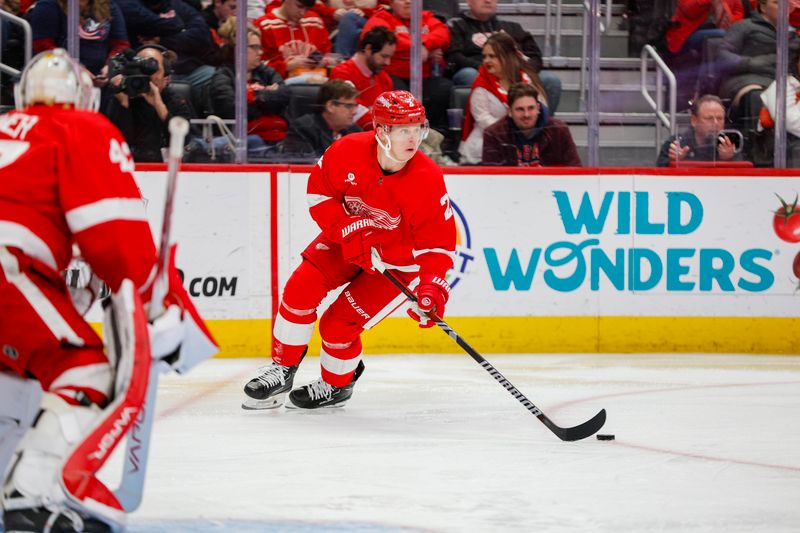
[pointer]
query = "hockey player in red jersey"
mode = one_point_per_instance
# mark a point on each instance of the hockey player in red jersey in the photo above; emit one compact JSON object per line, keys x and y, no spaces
{"x":371,"y":189}
{"x":66,"y":182}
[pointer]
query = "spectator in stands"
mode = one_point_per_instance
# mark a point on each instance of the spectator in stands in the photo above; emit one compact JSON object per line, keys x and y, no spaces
{"x":267,"y":94}
{"x":472,"y":28}
{"x":143,"y":119}
{"x":102,"y":32}
{"x":435,"y":40}
{"x":11,"y":50}
{"x":765,"y":141}
{"x":365,"y":70}
{"x":702,"y":141}
{"x":528,"y":136}
{"x":487,"y":103}
{"x":357,"y":12}
{"x":348,"y":17}
{"x":215,"y":14}
{"x":312,"y":133}
{"x":695,"y":21}
{"x":295,"y":40}
{"x":747,"y":54}
{"x":177,"y":26}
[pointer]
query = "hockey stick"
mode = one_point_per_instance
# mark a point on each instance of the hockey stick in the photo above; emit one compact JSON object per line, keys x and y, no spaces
{"x":587,"y":429}
{"x":131,"y":488}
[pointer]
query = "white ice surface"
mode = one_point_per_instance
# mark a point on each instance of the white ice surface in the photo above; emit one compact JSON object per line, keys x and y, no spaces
{"x":432,"y":443}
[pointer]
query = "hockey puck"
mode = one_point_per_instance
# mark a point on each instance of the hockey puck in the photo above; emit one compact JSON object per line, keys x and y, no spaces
{"x":606,"y":437}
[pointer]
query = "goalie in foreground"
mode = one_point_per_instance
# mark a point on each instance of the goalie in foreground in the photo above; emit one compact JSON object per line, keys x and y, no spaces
{"x":65,"y":402}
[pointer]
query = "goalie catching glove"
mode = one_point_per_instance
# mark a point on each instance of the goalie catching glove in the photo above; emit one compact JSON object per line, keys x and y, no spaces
{"x":178,"y":335}
{"x":357,"y":236}
{"x":432,"y":294}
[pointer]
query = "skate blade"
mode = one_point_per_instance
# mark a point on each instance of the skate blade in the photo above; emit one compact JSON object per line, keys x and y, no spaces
{"x":290,"y":405}
{"x":250,"y":404}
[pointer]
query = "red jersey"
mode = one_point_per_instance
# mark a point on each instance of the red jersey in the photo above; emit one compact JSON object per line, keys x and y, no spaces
{"x":411,"y":206}
{"x":278,"y":35}
{"x":369,"y":85}
{"x":435,"y":35}
{"x":66,"y":177}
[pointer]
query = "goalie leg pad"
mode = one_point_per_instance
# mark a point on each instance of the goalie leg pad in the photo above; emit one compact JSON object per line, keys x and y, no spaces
{"x":19,"y":404}
{"x":33,"y":497}
{"x":68,"y":445}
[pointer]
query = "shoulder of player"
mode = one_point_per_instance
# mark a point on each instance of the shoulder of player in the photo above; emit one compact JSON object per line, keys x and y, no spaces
{"x":423,"y":165}
{"x":425,"y":174}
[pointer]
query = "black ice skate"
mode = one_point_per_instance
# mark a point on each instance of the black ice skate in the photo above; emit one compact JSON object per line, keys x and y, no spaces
{"x":319,"y":394}
{"x":35,"y":519}
{"x":268,"y":390}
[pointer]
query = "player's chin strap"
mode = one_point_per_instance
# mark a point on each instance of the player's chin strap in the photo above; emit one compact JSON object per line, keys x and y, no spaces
{"x":387,"y":147}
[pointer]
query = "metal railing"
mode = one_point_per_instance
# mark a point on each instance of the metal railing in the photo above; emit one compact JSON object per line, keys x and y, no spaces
{"x":26,"y":28}
{"x":657,"y":105}
{"x":584,"y":46}
{"x":552,"y":37}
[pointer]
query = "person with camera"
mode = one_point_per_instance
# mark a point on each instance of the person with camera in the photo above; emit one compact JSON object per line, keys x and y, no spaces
{"x":143,"y":102}
{"x":705,"y":139}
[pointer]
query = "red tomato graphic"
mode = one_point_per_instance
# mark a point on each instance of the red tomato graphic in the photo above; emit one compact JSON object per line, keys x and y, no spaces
{"x":786,"y":222}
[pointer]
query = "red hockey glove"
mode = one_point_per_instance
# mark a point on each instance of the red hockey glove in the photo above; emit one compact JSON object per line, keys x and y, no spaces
{"x":432,"y":294}
{"x":357,"y":236}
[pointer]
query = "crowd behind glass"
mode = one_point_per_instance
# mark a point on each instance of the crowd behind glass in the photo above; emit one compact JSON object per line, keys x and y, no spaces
{"x":314,"y":67}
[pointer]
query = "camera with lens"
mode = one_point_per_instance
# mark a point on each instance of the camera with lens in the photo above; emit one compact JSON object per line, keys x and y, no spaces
{"x":135,"y":71}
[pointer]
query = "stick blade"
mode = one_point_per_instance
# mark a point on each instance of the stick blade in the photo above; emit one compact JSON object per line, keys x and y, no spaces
{"x":579,"y":432}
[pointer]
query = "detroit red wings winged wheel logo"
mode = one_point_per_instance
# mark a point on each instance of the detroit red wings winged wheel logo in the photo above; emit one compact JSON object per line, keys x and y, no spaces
{"x":786,"y":223}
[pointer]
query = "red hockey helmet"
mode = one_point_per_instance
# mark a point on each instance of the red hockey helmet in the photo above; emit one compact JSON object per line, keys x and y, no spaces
{"x":397,"y":107}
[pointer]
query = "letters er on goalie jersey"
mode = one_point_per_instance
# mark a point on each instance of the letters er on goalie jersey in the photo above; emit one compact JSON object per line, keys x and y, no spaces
{"x":370,"y":189}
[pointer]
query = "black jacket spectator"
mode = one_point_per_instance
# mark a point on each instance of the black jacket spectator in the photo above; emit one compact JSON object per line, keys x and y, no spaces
{"x":145,"y":133}
{"x":747,"y":54}
{"x":463,"y":51}
{"x":310,"y":135}
{"x":178,"y":26}
{"x":223,"y":93}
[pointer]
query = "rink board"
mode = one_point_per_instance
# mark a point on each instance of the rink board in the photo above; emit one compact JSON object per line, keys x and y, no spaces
{"x":568,"y":260}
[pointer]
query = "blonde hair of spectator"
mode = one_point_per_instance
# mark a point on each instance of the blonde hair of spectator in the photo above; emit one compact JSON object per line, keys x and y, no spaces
{"x":512,"y":61}
{"x":227,"y":31}
{"x":98,"y":10}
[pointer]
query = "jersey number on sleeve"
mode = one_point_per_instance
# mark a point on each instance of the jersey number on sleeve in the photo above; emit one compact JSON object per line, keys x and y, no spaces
{"x":121,"y":154}
{"x":11,"y":150}
{"x":448,"y":210}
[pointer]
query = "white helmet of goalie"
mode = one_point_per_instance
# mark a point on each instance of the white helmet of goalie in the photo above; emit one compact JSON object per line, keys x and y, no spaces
{"x":53,"y":77}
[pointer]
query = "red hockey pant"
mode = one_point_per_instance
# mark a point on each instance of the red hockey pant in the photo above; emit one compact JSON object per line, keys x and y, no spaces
{"x":366,"y":299}
{"x":43,"y":335}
